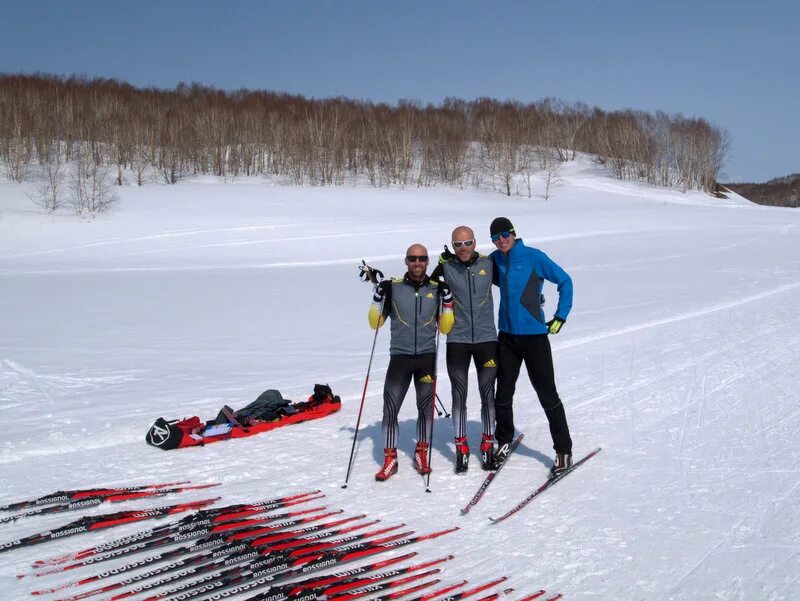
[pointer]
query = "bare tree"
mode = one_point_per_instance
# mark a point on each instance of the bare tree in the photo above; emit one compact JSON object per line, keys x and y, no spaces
{"x":50,"y":185}
{"x":550,"y":164}
{"x":91,"y":192}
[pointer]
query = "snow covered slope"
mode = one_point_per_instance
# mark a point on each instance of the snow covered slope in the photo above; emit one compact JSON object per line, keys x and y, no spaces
{"x":679,"y":359}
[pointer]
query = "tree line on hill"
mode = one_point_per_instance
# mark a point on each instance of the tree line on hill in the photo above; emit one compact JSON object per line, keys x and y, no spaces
{"x":102,"y":129}
{"x":779,"y":192}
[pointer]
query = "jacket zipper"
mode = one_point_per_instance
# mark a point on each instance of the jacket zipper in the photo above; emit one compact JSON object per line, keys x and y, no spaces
{"x":471,"y":277}
{"x":508,"y":300}
{"x":417,"y":310}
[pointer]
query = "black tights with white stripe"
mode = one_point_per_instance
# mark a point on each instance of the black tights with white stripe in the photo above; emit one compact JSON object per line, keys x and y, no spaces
{"x":402,"y":368}
{"x":484,"y":355}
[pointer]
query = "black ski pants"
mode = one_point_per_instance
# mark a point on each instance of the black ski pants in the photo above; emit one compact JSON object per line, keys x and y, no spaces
{"x":484,"y":355}
{"x":512,"y":350}
{"x":402,"y":368}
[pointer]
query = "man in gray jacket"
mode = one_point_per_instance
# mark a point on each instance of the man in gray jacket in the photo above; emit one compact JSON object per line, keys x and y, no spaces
{"x":469,"y":276}
{"x":412,"y":303}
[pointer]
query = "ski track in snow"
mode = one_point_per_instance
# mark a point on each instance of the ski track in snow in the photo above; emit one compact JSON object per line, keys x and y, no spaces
{"x":679,"y":359}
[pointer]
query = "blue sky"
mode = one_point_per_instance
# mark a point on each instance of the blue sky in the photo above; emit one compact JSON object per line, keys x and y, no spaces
{"x":734,"y":63}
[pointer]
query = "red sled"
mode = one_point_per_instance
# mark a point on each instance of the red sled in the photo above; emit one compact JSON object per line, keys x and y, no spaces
{"x":269,"y":411}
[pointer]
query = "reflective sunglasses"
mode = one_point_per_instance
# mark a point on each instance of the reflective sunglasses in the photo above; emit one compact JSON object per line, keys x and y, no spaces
{"x":418,"y":258}
{"x":459,"y":244}
{"x":496,"y":237}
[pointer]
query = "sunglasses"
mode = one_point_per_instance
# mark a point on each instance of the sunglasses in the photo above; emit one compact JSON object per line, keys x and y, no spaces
{"x":418,"y":258}
{"x":496,"y":237}
{"x":467,"y":243}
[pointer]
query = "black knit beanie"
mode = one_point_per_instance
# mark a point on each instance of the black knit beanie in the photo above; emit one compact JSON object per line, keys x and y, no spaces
{"x":501,"y":224}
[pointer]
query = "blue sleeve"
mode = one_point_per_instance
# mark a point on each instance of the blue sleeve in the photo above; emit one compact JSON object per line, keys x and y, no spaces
{"x":495,"y":270}
{"x":553,"y":272}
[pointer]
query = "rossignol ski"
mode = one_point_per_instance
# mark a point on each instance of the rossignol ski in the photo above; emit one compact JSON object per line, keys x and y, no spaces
{"x":87,"y":502}
{"x":219,"y":551}
{"x":382,"y":586}
{"x":213,"y":537}
{"x":100,"y":522}
{"x":547,"y":484}
{"x":490,"y":478}
{"x":211,"y":548}
{"x":308,"y":589}
{"x":204,"y":517}
{"x":468,"y":593}
{"x":284,"y":569}
{"x":74,"y":495}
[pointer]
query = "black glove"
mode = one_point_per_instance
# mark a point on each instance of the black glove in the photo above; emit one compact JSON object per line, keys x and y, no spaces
{"x":446,"y":255}
{"x":369,"y":274}
{"x":445,"y":292}
{"x":554,"y":325}
{"x":381,"y":289}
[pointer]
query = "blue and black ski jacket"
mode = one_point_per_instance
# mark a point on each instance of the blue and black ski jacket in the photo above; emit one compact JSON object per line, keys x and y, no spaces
{"x":520,"y":275}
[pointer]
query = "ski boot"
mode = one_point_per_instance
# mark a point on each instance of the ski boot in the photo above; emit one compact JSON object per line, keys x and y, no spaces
{"x":561,"y":464}
{"x":421,"y":458}
{"x":389,"y":468}
{"x":462,"y":455}
{"x":488,"y":462}
{"x":502,"y":453}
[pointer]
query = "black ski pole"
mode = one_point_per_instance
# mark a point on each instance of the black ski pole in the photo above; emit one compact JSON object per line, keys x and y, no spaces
{"x":363,"y":396}
{"x":441,"y":404}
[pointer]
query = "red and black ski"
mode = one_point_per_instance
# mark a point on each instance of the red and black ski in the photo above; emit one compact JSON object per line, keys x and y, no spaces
{"x":231,"y":515}
{"x":101,"y":522}
{"x":62,"y":496}
{"x":212,"y":547}
{"x":284,"y":569}
{"x":382,"y":586}
{"x":467,"y":593}
{"x":98,"y":500}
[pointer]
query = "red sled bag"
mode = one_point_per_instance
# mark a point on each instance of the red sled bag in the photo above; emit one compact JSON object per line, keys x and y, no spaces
{"x":267,"y":412}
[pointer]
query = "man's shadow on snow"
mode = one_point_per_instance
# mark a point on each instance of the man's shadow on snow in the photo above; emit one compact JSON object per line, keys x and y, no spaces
{"x":442,"y":440}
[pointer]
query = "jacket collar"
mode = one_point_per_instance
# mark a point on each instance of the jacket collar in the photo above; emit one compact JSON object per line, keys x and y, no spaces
{"x":416,"y":285}
{"x":517,"y":242}
{"x":475,"y":256}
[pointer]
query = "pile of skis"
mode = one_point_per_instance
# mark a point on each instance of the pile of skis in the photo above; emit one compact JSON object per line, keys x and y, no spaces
{"x":270,"y":548}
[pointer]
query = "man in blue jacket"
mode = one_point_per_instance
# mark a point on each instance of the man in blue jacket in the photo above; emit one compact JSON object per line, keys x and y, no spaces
{"x":520,"y":272}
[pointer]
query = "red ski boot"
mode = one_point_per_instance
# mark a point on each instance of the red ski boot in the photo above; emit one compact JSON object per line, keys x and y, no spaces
{"x":421,"y":458}
{"x":389,"y":468}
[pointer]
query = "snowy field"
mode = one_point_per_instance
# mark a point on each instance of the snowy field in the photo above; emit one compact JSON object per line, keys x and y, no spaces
{"x":680,"y":359}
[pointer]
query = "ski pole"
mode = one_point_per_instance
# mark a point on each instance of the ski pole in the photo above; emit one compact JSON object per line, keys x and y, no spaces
{"x":363,"y":396}
{"x":441,"y":404}
{"x":433,"y":401}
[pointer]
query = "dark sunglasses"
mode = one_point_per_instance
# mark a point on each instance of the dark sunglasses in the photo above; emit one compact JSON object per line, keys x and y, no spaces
{"x":419,"y":258}
{"x":496,"y":237}
{"x":467,"y":243}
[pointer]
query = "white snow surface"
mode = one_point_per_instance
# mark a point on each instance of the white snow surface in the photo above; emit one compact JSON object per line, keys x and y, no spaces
{"x":680,"y":359}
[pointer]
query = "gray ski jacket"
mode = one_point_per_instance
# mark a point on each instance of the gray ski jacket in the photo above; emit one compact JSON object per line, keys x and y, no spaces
{"x":471,"y":285}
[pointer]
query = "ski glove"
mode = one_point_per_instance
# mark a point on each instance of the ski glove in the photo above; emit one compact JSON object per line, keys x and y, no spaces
{"x":369,"y":274}
{"x":554,"y":325}
{"x":381,"y":289}
{"x":445,"y":256}
{"x":375,"y":316}
{"x":447,"y":318}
